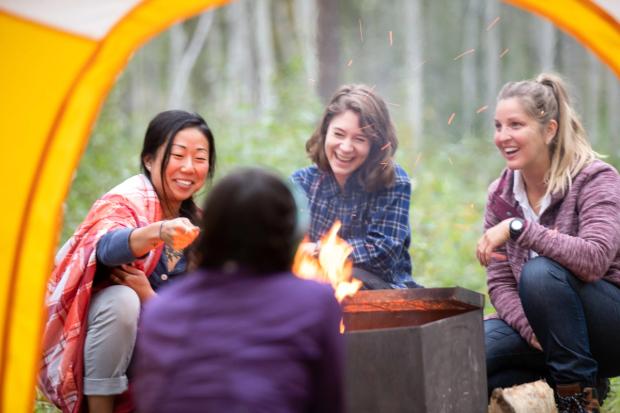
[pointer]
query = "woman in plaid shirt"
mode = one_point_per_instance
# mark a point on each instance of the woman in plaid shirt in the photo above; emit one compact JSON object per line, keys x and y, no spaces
{"x":355,"y":180}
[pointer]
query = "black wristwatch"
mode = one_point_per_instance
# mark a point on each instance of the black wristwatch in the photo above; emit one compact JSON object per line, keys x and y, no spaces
{"x":516,"y":228}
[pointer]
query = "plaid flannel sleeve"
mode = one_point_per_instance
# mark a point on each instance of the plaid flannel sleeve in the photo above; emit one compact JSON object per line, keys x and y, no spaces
{"x":380,"y":247}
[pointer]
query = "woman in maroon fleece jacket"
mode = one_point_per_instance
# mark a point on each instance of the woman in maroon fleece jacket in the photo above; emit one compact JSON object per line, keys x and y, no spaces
{"x":552,"y":250}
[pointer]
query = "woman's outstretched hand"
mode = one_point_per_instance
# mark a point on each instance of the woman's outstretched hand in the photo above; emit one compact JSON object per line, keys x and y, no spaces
{"x":178,"y":233}
{"x":134,"y":279}
{"x":492,"y":239}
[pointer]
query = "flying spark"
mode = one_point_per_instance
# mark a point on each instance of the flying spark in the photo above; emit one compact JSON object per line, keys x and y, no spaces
{"x":493,"y":23}
{"x":451,"y":118}
{"x":387,"y":145}
{"x":391,"y":38}
{"x":503,"y":53}
{"x":417,"y":159}
{"x":465,"y":53}
{"x":482,"y":108}
{"x":350,"y":63}
{"x":361,"y":32}
{"x":392,"y":104}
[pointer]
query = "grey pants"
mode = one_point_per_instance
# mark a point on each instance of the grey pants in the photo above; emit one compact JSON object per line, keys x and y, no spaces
{"x":110,"y":339}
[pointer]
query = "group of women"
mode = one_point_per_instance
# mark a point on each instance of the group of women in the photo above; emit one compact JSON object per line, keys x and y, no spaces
{"x":235,"y":331}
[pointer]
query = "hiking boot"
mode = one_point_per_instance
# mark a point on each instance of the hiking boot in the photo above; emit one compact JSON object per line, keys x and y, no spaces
{"x":572,"y":398}
{"x":602,"y":389}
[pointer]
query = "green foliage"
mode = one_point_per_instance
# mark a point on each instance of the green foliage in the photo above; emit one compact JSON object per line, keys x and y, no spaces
{"x":449,"y":195}
{"x":111,"y":156}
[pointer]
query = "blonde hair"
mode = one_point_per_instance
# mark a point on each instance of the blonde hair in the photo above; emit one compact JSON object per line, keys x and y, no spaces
{"x":546,"y":99}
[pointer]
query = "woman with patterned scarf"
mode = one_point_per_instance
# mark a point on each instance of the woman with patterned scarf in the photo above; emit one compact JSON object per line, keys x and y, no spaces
{"x":134,"y":239}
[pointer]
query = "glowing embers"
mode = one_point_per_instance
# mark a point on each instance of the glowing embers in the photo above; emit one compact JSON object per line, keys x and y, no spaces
{"x":331,"y":265}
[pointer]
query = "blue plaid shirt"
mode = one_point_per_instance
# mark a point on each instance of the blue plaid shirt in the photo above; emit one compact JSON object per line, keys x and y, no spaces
{"x":376,"y":224}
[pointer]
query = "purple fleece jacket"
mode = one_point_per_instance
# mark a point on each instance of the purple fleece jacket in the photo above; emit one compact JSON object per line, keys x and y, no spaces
{"x":580,"y":231}
{"x":238,"y":343}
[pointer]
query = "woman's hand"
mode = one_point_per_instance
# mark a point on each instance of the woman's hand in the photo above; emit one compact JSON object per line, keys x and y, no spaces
{"x":535,"y":343}
{"x":178,"y":233}
{"x":492,"y":239}
{"x":311,"y":249}
{"x":134,"y":279}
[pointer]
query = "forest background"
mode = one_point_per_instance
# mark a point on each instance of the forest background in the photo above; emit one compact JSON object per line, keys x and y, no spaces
{"x":260,"y":72}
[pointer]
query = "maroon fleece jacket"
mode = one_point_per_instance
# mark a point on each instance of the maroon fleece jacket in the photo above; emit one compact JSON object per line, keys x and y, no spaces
{"x":580,"y":230}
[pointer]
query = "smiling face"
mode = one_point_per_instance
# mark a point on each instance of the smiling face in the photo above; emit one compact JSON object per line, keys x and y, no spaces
{"x":346,"y":146}
{"x":187,"y":168}
{"x":521,"y":139}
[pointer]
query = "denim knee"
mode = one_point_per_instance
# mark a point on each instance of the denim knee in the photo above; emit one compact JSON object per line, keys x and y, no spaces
{"x":541,"y":276}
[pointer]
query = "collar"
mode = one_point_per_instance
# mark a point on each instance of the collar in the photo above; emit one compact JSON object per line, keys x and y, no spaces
{"x":518,"y":190}
{"x":330,"y":187}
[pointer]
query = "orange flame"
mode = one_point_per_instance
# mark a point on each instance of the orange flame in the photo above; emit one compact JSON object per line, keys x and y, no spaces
{"x":331,"y":266}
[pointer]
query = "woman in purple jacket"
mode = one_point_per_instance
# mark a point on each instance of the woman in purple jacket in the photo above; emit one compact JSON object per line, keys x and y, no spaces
{"x":552,"y":250}
{"x":242,"y":333}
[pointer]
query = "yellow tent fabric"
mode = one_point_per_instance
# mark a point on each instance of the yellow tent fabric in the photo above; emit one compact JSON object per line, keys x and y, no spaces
{"x":53,"y":82}
{"x":589,"y":22}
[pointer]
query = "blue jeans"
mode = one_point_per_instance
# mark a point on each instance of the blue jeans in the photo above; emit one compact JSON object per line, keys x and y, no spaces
{"x":576,"y":323}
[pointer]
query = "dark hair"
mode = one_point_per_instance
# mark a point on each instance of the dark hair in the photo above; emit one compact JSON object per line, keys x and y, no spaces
{"x":161,"y":131}
{"x":249,"y":220}
{"x":378,"y":170}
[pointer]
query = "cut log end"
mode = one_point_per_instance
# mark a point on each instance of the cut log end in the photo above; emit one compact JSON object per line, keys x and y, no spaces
{"x":535,"y":397}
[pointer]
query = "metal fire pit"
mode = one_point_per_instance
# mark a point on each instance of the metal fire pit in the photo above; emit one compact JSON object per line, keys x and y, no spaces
{"x":415,"y":350}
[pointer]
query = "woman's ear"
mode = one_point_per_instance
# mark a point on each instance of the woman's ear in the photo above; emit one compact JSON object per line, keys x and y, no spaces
{"x":550,"y":131}
{"x":147,"y":162}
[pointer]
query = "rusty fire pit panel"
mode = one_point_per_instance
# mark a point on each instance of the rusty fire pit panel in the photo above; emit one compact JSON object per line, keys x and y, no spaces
{"x":415,"y":350}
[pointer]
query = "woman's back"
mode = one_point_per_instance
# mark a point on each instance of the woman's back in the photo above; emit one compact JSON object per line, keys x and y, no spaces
{"x":240,"y":342}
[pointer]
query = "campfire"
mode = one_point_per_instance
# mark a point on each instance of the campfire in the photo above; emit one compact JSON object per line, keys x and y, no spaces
{"x":331,"y":265}
{"x":407,"y":350}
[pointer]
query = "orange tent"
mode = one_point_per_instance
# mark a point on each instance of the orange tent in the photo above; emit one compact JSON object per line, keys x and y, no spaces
{"x":59,"y":62}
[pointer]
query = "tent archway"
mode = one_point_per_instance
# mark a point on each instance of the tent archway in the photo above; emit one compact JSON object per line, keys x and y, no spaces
{"x":57,"y":75}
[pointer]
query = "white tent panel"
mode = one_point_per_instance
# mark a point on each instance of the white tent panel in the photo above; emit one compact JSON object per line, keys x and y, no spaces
{"x":612,"y":7}
{"x":88,"y":18}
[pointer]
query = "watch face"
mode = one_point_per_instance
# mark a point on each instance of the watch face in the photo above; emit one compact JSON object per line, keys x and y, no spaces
{"x":516,"y":225}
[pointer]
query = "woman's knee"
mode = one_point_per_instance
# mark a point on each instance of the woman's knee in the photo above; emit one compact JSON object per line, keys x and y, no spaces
{"x":540,"y":275}
{"x":117,"y":304}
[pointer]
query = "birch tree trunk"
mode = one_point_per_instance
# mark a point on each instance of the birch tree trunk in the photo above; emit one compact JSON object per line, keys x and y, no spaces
{"x":545,"y":41}
{"x":240,"y":65}
{"x":469,"y":74}
{"x":613,"y":120}
{"x":593,"y":98}
{"x":178,"y":97}
{"x":414,"y":63}
{"x":265,"y":56}
{"x":306,"y":21}
{"x":329,"y":47}
{"x":492,"y":52}
{"x":177,"y":42}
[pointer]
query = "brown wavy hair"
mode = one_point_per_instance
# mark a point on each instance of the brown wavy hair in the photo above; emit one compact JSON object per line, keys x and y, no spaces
{"x":378,"y":170}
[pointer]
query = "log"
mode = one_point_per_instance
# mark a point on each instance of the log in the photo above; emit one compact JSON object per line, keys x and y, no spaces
{"x":535,"y":397}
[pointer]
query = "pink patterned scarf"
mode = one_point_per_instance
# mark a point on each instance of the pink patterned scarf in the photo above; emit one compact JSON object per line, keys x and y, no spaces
{"x":133,"y":203}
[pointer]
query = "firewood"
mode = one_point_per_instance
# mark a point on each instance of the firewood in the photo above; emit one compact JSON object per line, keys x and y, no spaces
{"x":535,"y":397}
